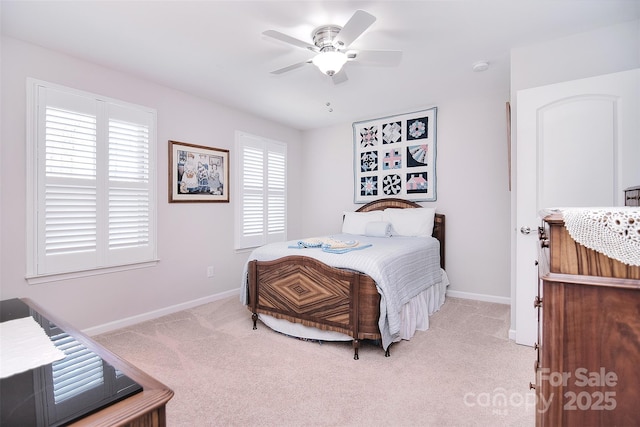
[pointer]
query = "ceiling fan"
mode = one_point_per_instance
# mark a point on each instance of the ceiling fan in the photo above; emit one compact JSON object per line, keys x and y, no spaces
{"x":331,"y":45}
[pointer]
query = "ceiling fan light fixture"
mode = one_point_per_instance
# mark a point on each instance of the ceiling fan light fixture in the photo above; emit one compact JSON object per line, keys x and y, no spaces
{"x":330,"y":62}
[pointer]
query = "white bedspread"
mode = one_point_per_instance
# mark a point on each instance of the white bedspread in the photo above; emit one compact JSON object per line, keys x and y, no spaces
{"x":402,"y":267}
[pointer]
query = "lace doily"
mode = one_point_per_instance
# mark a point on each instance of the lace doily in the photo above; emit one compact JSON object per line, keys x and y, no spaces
{"x":614,"y":232}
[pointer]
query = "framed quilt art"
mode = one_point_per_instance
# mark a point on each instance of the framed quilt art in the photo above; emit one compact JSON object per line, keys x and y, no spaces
{"x":396,"y":157}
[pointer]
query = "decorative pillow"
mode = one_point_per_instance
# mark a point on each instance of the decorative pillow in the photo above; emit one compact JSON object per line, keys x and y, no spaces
{"x":378,"y":229}
{"x":356,"y":222}
{"x":416,"y":222}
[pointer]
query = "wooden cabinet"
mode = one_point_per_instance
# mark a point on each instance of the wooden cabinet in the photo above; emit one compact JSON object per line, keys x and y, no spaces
{"x":588,"y":366}
{"x":632,"y":196}
{"x":28,"y":398}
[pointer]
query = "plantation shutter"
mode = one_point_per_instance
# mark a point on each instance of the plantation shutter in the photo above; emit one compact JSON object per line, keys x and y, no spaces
{"x":130,"y":195}
{"x":262,"y":182}
{"x":276,"y":193}
{"x":93,"y":188}
{"x":253,"y":211}
{"x":67,"y":171}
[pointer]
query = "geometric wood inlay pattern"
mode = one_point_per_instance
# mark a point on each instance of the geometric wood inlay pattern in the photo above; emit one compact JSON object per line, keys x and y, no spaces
{"x":306,"y":292}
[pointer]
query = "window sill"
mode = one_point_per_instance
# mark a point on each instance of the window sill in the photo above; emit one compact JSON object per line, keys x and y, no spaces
{"x":46,"y":278}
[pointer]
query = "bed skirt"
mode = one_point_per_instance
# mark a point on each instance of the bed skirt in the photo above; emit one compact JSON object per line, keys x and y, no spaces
{"x":414,"y":317}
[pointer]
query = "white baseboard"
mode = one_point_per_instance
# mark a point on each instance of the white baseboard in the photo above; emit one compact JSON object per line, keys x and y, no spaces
{"x":512,"y":334}
{"x":479,"y":297}
{"x":123,"y":323}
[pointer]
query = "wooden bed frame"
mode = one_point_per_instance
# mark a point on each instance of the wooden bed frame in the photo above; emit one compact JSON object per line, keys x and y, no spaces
{"x":306,"y":291}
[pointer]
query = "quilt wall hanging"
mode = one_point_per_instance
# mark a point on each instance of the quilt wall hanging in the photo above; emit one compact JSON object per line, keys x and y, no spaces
{"x":396,"y":157}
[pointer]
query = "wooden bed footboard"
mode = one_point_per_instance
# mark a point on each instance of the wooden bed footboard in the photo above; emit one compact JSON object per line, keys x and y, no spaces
{"x":303,"y":290}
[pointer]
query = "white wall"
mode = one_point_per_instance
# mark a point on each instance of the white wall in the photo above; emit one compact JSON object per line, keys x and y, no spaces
{"x":472,"y":191}
{"x":472,"y":158}
{"x":603,"y":51}
{"x":606,"y":50}
{"x":191,"y":236}
{"x":472,"y":178}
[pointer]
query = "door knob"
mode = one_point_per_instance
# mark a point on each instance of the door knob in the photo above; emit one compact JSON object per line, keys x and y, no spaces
{"x":525,"y":230}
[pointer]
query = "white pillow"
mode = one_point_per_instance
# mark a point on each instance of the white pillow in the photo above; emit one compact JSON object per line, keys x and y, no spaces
{"x":417,"y":222}
{"x":378,"y":229}
{"x":356,"y":222}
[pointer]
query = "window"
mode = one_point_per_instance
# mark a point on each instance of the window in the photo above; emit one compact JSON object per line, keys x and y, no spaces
{"x":91,"y":182}
{"x":262,"y":179}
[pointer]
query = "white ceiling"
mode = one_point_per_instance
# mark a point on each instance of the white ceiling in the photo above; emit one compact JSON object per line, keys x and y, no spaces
{"x":216,"y":50}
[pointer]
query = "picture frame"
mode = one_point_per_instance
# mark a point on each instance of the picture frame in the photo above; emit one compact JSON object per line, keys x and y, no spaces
{"x":198,"y":173}
{"x":395,"y":156}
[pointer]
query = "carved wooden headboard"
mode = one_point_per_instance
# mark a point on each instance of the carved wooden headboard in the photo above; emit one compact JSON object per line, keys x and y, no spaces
{"x":438,"y":223}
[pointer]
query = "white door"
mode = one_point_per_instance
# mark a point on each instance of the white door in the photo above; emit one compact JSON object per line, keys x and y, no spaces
{"x":574,"y":140}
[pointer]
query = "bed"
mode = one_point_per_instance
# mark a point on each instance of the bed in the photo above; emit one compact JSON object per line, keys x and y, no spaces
{"x":300,"y":289}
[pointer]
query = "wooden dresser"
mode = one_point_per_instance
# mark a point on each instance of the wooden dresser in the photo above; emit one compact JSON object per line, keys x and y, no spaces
{"x":100,"y":388}
{"x":632,"y":196}
{"x":588,"y":350}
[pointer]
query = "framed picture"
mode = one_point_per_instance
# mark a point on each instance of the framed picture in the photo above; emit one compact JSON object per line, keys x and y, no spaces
{"x":198,"y":173}
{"x":396,"y":157}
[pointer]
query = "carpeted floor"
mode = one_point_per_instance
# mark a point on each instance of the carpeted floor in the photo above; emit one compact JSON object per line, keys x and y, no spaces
{"x":463,"y":371}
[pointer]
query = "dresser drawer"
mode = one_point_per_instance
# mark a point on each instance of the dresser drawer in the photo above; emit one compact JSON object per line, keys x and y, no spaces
{"x":566,"y":256}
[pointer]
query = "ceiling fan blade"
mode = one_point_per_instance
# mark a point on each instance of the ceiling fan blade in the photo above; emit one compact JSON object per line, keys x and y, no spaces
{"x":291,"y":40}
{"x":378,"y":57}
{"x":291,"y":67}
{"x":356,"y":25}
{"x":340,"y":77}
